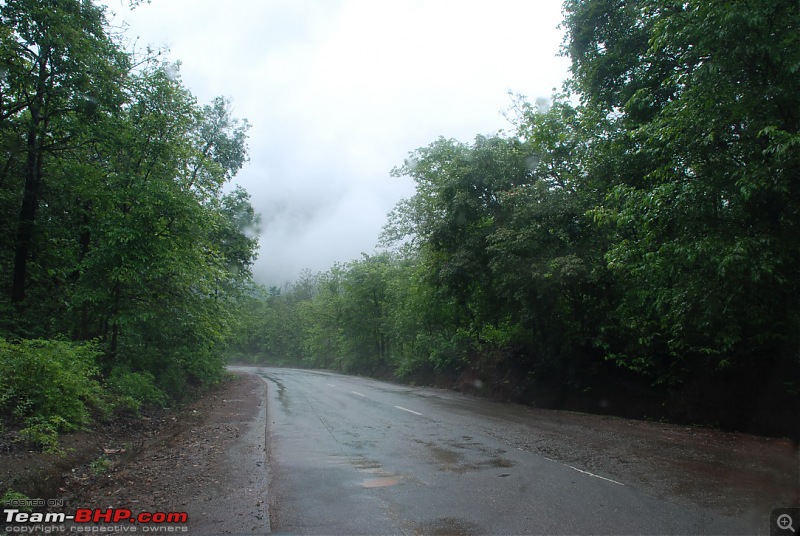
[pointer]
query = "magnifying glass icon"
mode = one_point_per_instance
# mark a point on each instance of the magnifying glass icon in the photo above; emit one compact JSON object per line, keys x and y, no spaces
{"x":785,"y":522}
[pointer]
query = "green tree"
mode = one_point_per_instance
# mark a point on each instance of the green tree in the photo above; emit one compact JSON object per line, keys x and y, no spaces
{"x":546,"y":254}
{"x":166,"y":243}
{"x":706,"y":213}
{"x":364,"y":315}
{"x":423,"y":337}
{"x":60,"y":72}
{"x":115,"y":222}
{"x":454,"y":211}
{"x":319,"y":301}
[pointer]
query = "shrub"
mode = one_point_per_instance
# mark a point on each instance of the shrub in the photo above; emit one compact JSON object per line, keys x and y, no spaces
{"x":48,"y":384}
{"x":100,"y":466}
{"x":43,"y":433}
{"x":134,"y":389}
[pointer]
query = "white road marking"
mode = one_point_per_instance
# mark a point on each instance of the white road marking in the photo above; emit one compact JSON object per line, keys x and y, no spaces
{"x":330,"y":385}
{"x":408,"y":410}
{"x":594,"y":475}
{"x":359,"y":394}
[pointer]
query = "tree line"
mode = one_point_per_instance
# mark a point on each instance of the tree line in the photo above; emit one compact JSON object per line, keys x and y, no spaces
{"x":638,"y":236}
{"x":122,"y":251}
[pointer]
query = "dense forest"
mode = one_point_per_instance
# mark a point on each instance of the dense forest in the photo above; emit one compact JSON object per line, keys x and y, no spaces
{"x":123,"y":254}
{"x":632,"y":246}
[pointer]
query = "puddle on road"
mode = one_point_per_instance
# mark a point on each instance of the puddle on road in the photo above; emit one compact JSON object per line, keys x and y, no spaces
{"x":361,"y":444}
{"x":444,"y":456}
{"x":362,"y":464}
{"x":453,"y":462}
{"x":365,"y":464}
{"x":383,"y":482}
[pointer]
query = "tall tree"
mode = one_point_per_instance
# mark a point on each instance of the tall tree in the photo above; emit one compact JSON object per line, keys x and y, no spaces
{"x":60,"y":64}
{"x":454,"y":211}
{"x":115,"y":224}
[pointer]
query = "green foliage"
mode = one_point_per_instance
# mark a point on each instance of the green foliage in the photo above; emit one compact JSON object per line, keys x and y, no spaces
{"x":16,"y":499}
{"x":43,"y":433}
{"x":49,"y":384}
{"x":704,"y":217}
{"x":132,"y":389}
{"x":63,"y":76}
{"x":318,"y":299}
{"x":420,"y":315}
{"x":365,"y":345}
{"x":456,"y":207}
{"x":114,"y":223}
{"x":100,"y":466}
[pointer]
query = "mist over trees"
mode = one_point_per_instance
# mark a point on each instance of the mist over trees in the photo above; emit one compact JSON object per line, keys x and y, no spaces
{"x":636,"y":242}
{"x":122,"y":256}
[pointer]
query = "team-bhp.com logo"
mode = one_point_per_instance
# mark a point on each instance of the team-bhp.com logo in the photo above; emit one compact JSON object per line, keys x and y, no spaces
{"x":88,"y":520}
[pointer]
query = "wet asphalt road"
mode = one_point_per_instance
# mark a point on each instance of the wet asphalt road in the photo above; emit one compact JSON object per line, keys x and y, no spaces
{"x":357,"y":456}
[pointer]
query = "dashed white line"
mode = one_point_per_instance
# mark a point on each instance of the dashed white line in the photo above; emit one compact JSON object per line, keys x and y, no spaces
{"x":408,"y":410}
{"x":359,"y":394}
{"x":330,"y":385}
{"x":594,"y":475}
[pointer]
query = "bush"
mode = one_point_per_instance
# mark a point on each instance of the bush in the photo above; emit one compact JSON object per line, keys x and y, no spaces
{"x":43,"y":433}
{"x":134,"y":389}
{"x":48,"y":385}
{"x":100,"y":466}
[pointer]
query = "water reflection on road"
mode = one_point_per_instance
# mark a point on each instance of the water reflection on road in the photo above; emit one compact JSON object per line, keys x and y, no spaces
{"x":354,"y":455}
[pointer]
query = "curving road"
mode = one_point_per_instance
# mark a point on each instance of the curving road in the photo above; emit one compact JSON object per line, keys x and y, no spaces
{"x":357,"y":456}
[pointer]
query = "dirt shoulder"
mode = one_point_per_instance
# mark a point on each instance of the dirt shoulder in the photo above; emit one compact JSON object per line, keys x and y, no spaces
{"x":738,"y":475}
{"x":207,"y":459}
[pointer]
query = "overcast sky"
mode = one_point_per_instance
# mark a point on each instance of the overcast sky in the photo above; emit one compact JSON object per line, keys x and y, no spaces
{"x":338,"y":92}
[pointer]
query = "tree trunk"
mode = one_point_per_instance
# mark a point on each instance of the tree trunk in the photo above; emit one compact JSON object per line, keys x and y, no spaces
{"x":33,"y":179}
{"x":27,"y":215}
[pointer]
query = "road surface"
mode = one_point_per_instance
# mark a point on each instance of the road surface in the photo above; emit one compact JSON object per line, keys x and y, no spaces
{"x":356,"y":456}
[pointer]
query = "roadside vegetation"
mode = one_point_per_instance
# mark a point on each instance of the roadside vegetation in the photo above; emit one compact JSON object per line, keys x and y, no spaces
{"x":631,"y":246}
{"x":122,"y":252}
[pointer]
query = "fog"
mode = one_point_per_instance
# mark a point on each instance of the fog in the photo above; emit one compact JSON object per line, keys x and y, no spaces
{"x":339,"y":92}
